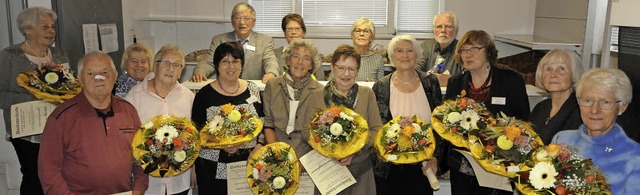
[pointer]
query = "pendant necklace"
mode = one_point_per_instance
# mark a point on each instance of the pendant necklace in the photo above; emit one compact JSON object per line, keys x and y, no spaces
{"x":238,"y":88}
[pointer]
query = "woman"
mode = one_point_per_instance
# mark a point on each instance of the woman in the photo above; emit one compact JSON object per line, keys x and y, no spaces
{"x":363,"y":32}
{"x":406,"y":92}
{"x":37,"y":25}
{"x":294,"y":28}
{"x":289,"y":99}
{"x":499,"y":89}
{"x":557,"y":72}
{"x":136,"y":64}
{"x":343,"y":90}
{"x":161,"y":93}
{"x":228,"y":88}
{"x":604,"y":94}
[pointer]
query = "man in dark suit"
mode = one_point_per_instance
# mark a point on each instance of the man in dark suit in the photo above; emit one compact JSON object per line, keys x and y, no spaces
{"x":260,"y":63}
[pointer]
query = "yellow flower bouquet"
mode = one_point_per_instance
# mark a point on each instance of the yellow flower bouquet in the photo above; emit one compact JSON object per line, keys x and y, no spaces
{"x":405,"y":140}
{"x":166,"y":146}
{"x":558,"y":169}
{"x":454,"y":120}
{"x":231,"y":127}
{"x":50,"y":82}
{"x":273,"y":169}
{"x":338,"y":132}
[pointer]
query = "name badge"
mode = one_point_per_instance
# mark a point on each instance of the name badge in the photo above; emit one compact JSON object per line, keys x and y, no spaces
{"x":499,"y":100}
{"x":250,"y":47}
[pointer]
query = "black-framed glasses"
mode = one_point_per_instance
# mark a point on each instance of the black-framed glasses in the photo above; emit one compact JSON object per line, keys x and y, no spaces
{"x":604,"y":104}
{"x":471,"y":50}
{"x":167,"y":64}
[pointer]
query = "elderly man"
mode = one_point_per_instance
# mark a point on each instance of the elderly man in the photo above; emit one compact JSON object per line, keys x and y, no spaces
{"x":438,"y":52}
{"x":86,"y":144}
{"x":260,"y":61}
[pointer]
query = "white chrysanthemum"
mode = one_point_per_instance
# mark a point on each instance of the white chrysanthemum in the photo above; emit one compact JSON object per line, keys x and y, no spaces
{"x":417,"y":127}
{"x":167,"y":131}
{"x":148,"y":125}
{"x":215,"y":124}
{"x":68,"y":75}
{"x":234,"y":116}
{"x":179,"y":156}
{"x":345,"y":116}
{"x":335,"y":129}
{"x":469,"y":120}
{"x":255,"y":173}
{"x":51,"y":77}
{"x":542,"y":175}
{"x":393,"y":130}
{"x":278,"y":182}
{"x":454,"y":117}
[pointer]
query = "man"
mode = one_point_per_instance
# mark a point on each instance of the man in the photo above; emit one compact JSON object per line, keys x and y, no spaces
{"x":86,"y":143}
{"x":438,"y":52}
{"x":260,"y":63}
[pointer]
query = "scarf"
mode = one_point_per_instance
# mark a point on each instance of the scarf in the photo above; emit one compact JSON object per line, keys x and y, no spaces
{"x":333,"y":97}
{"x":297,"y":86}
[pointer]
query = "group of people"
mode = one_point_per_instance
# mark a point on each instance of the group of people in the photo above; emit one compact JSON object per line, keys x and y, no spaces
{"x":86,"y":144}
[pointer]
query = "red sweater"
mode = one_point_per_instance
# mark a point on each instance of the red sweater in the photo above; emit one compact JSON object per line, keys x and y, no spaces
{"x":82,"y":152}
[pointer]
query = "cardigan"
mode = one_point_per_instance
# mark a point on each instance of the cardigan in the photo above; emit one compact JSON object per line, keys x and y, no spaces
{"x":568,"y":117}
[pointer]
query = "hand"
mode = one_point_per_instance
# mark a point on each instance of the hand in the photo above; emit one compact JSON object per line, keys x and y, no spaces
{"x":255,"y":149}
{"x":231,"y":150}
{"x":194,"y":182}
{"x":267,"y":76}
{"x":443,"y":79}
{"x":346,"y":161}
{"x":430,"y":164}
{"x":198,"y":77}
{"x":136,"y":192}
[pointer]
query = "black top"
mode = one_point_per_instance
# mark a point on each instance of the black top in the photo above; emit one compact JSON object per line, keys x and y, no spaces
{"x":568,"y":117}
{"x":208,"y":99}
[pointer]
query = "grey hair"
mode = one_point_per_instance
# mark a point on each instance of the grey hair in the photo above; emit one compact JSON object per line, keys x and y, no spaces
{"x":95,"y":54}
{"x":169,"y":49}
{"x":394,"y":41}
{"x":449,"y":15}
{"x":606,"y":79}
{"x":29,"y":17}
{"x":300,"y":43}
{"x":241,"y":7}
{"x":560,"y":56}
{"x":363,"y":21}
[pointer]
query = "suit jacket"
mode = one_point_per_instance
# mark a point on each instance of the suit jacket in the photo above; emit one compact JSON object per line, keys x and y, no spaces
{"x":256,"y":63}
{"x":276,"y":112}
{"x":430,"y":51}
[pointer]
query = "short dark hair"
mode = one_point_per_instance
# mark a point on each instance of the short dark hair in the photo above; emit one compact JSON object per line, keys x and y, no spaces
{"x":295,"y":18}
{"x":345,"y":51}
{"x":234,"y":48}
{"x":482,"y":38}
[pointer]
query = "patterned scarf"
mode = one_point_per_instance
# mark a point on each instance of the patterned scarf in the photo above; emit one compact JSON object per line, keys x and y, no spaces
{"x":298,"y":87}
{"x":333,"y":97}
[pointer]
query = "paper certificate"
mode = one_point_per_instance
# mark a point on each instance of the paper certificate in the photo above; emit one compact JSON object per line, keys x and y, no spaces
{"x":487,"y":179}
{"x":329,"y":176}
{"x":306,"y":186}
{"x":237,"y":178}
{"x":29,"y":118}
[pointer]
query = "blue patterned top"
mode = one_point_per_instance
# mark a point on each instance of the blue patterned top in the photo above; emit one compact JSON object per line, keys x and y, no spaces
{"x":123,"y":85}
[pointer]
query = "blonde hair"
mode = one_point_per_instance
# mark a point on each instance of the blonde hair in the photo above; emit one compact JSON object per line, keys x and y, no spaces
{"x":137,"y":47}
{"x":365,"y":21}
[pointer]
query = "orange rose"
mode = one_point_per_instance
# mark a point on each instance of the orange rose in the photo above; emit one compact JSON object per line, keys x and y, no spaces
{"x":561,"y":190}
{"x":227,"y":108}
{"x":335,"y":110}
{"x":512,"y":132}
{"x":490,"y":148}
{"x":177,"y":142}
{"x":463,"y":103}
{"x":553,"y":150}
{"x":408,"y":130}
{"x":590,"y":179}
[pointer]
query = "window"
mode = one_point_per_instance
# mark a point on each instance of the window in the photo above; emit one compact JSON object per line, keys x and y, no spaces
{"x":328,"y":17}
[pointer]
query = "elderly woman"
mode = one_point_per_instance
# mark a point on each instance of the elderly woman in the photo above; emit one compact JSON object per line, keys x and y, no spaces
{"x":228,"y":88}
{"x":343,"y":90}
{"x":289,"y":98}
{"x":294,"y":28}
{"x":603,"y":94}
{"x":557,"y":72}
{"x":136,"y":64}
{"x":499,"y":89}
{"x":372,"y":67}
{"x":37,"y":25}
{"x":406,"y":92}
{"x":161,"y":93}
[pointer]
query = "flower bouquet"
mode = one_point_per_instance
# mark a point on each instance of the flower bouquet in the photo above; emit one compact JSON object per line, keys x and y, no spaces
{"x":50,"y":82}
{"x":338,"y":132}
{"x":273,"y":169}
{"x":231,"y":127}
{"x":505,"y":145}
{"x":558,"y":169}
{"x":166,"y":146}
{"x":405,"y":140}
{"x":454,"y":120}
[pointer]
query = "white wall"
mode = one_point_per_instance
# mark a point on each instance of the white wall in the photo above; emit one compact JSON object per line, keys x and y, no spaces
{"x":625,"y":13}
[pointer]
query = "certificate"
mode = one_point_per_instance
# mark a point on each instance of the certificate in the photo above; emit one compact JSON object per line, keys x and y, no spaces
{"x":329,"y":176}
{"x":237,"y":178}
{"x":306,"y":186}
{"x":485,"y":178}
{"x":29,"y":118}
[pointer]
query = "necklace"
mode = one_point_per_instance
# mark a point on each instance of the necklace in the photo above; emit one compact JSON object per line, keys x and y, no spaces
{"x":238,"y":88}
{"x":406,"y":83}
{"x":34,"y":52}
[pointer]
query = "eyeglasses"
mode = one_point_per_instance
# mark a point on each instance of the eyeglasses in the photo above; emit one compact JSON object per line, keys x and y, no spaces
{"x":293,"y":29}
{"x":240,"y":18}
{"x":342,"y":69}
{"x":471,"y":50}
{"x":445,"y":26}
{"x":305,"y":59}
{"x":604,"y":104}
{"x":167,"y":64}
{"x":362,"y":30}
{"x":232,"y":62}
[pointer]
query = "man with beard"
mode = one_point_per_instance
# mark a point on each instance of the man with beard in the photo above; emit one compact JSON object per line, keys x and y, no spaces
{"x":438,"y":52}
